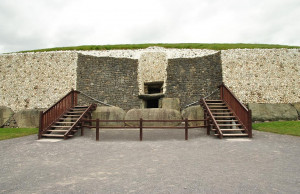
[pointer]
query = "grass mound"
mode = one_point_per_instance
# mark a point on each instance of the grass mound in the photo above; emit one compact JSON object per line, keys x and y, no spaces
{"x":280,"y":127}
{"x":8,"y":133}
{"x":214,"y":46}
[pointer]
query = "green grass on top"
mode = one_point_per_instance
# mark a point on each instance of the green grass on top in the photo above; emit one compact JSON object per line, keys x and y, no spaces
{"x":281,"y":127}
{"x":8,"y":133}
{"x":214,"y":46}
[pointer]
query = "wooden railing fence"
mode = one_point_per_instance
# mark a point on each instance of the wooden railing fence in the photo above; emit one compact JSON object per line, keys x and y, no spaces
{"x":141,"y":126}
{"x":208,"y":114}
{"x":239,"y":110}
{"x":50,"y":116}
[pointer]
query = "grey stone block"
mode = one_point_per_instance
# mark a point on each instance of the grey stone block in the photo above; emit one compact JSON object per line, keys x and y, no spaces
{"x":272,"y":112}
{"x":28,"y":118}
{"x":194,"y":113}
{"x":297,"y":107}
{"x":171,"y":103}
{"x":109,"y":113}
{"x":153,"y":114}
{"x":5,"y":114}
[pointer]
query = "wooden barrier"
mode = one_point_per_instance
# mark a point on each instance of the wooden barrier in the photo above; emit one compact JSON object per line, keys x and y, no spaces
{"x":141,"y":127}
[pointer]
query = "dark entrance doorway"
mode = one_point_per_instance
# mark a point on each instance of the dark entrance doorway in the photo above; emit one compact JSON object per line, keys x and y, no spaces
{"x":153,"y":87}
{"x":153,"y":93}
{"x":152,"y":103}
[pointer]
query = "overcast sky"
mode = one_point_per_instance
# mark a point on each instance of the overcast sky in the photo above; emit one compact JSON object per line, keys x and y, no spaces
{"x":35,"y":24}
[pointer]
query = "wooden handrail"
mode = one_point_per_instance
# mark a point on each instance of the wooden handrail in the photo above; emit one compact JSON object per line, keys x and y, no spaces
{"x":50,"y":116}
{"x":92,"y":106}
{"x":224,"y":86}
{"x":212,"y":118}
{"x":61,"y":100}
{"x":238,"y":108}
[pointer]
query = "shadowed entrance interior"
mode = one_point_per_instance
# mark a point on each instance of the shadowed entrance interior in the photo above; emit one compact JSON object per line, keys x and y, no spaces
{"x":154,"y":89}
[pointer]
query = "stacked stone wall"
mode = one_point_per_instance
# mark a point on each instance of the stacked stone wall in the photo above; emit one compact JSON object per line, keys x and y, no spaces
{"x":108,"y":79}
{"x":36,"y":80}
{"x":189,"y":79}
{"x":263,"y":75}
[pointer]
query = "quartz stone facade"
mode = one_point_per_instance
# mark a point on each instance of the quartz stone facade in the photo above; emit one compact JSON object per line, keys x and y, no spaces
{"x":36,"y":80}
{"x":117,"y":77}
{"x":263,"y":75}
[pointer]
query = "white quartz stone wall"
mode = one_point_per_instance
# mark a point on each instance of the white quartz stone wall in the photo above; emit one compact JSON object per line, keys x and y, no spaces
{"x":263,"y":75}
{"x":152,"y":67}
{"x":36,"y":80}
{"x":136,"y":53}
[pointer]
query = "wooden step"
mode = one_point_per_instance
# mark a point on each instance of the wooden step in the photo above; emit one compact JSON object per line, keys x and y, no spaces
{"x":213,"y":101}
{"x":55,"y":135}
{"x":228,"y":130}
{"x":222,"y":113}
{"x":81,"y":107}
{"x":77,"y":112}
{"x":226,"y":121}
{"x":60,"y":130}
{"x":229,"y":125}
{"x":213,"y":129}
{"x":236,"y":135}
{"x":220,"y":109}
{"x":217,"y":107}
{"x":64,"y":122}
{"x":224,"y":116}
{"x":71,"y":115}
{"x":233,"y":135}
{"x":52,"y":135}
{"x":68,"y":119}
{"x":61,"y":126}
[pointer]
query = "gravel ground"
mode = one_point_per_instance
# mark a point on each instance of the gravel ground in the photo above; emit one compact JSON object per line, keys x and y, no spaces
{"x":163,"y":163}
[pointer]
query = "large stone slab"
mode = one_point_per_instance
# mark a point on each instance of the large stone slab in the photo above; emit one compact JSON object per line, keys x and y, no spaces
{"x":109,"y":113}
{"x":5,"y":114}
{"x":194,"y":113}
{"x":153,"y":114}
{"x":273,"y":112}
{"x":28,"y":118}
{"x":171,"y":103}
{"x":297,"y":107}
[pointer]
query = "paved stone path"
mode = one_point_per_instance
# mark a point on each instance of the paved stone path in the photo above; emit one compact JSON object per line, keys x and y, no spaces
{"x":163,"y":163}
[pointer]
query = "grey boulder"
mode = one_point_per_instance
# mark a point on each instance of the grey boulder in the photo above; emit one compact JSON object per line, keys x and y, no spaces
{"x":153,"y":114}
{"x":109,"y":113}
{"x":194,"y":113}
{"x":273,"y":112}
{"x":5,"y":114}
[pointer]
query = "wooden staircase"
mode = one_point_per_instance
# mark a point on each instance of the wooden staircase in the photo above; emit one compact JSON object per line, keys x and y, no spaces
{"x":227,"y":124}
{"x":64,"y":118}
{"x":228,"y":117}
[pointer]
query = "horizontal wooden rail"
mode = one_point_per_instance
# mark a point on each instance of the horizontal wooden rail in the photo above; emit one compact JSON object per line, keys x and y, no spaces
{"x":94,"y":120}
{"x":129,"y":127}
{"x":140,"y":125}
